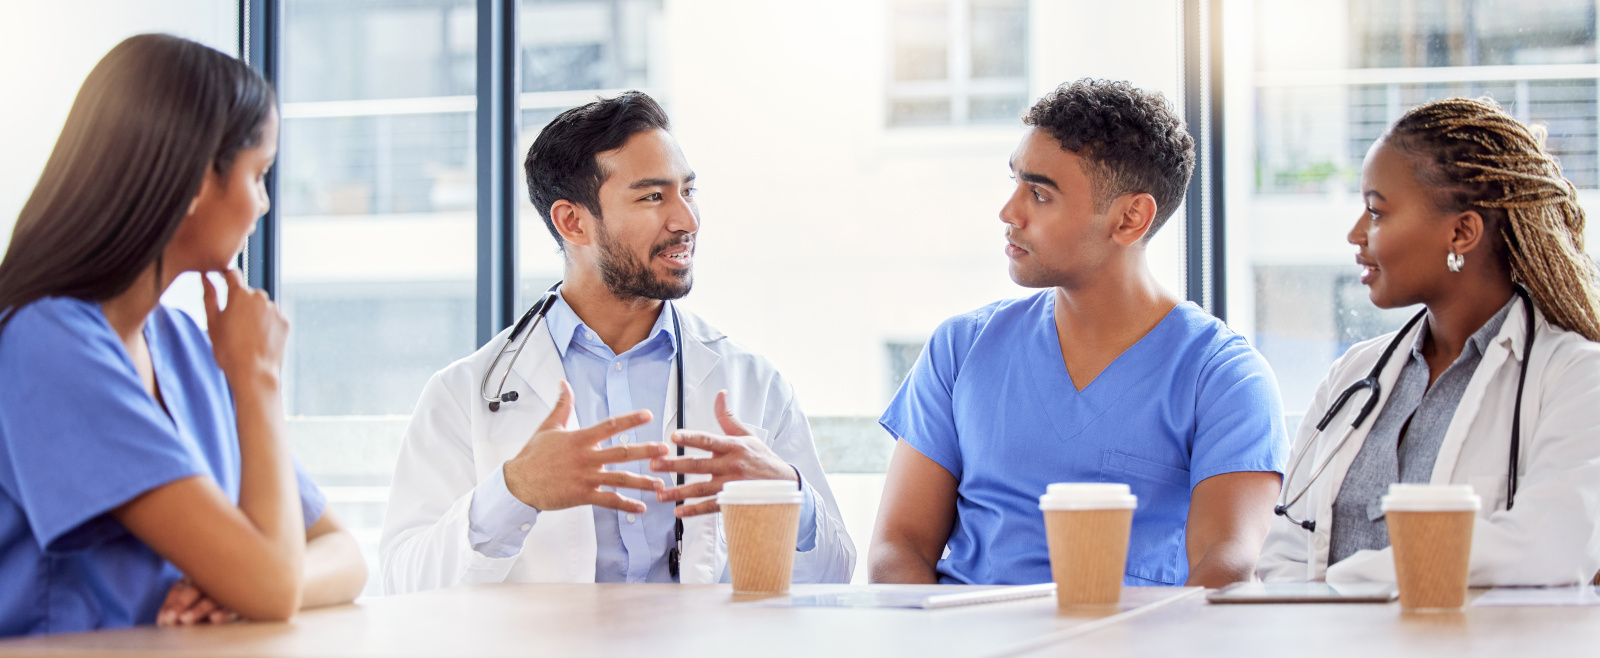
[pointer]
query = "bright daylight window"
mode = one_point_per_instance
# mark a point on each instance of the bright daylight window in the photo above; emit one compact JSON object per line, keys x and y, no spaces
{"x":377,"y":199}
{"x":958,"y":61}
{"x":1329,"y":78}
{"x":837,"y":230}
{"x":833,"y":241}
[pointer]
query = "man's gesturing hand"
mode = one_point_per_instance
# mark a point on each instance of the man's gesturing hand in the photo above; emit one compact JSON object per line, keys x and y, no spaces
{"x":738,"y":456}
{"x":558,"y":469}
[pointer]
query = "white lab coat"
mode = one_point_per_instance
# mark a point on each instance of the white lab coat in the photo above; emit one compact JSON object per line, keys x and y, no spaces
{"x":1549,"y":537}
{"x":454,"y":442}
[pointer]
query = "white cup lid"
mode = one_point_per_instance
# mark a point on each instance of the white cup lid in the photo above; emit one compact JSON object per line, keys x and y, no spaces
{"x":1430,"y":498}
{"x":1087,"y":495}
{"x":760,"y":492}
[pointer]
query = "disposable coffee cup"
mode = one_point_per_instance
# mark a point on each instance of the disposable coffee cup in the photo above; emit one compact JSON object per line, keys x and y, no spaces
{"x":1430,"y":528}
{"x":1087,"y":526}
{"x":762,"y":519}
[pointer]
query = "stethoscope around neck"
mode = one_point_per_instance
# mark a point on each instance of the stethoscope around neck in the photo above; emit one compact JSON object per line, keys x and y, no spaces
{"x":525,"y":328}
{"x":1374,"y":391}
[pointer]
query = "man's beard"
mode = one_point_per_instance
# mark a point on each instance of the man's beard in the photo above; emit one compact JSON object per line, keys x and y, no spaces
{"x":627,"y":278}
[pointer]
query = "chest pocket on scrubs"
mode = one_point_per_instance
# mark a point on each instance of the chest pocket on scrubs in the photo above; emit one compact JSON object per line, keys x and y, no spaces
{"x":1154,"y":549}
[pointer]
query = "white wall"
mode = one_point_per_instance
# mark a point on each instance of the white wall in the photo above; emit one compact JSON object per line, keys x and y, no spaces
{"x":46,"y":50}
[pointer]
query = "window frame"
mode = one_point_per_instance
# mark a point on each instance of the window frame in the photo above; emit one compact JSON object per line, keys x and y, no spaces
{"x":498,"y":62}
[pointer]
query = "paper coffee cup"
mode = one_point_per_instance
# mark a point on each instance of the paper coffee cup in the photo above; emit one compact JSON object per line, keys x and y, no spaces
{"x":1430,"y":528}
{"x":762,"y":519}
{"x":1087,"y":526}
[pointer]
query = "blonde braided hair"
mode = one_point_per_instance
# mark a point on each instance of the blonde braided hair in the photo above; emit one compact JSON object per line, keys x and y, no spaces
{"x":1480,"y":158}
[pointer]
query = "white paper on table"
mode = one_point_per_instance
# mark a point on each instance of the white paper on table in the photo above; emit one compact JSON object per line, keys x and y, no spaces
{"x":1576,"y":595}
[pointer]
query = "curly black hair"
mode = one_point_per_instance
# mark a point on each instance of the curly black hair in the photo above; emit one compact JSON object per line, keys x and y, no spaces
{"x":1132,"y":139}
{"x":561,"y":163}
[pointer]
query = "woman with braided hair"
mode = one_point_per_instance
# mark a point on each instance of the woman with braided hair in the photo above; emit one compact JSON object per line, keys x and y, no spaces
{"x":1468,"y":215}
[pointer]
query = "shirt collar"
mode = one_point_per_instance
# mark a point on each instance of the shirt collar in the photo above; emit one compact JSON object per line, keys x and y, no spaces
{"x":566,"y":327}
{"x":1480,"y":339}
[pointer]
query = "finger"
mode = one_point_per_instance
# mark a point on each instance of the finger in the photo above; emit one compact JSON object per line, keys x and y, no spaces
{"x":616,"y":501}
{"x":625,"y":480}
{"x":702,"y":507}
{"x":632,"y":452}
{"x":561,"y":411}
{"x":708,"y":442}
{"x":201,"y":610}
{"x":730,"y":423}
{"x":209,"y":293}
{"x":221,"y":616}
{"x":609,"y":427}
{"x":178,"y":599}
{"x":687,"y":491}
{"x":686,"y":465}
{"x":236,"y":282}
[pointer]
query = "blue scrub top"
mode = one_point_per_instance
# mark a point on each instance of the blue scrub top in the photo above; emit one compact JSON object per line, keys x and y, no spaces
{"x":990,"y":401}
{"x":79,"y":436}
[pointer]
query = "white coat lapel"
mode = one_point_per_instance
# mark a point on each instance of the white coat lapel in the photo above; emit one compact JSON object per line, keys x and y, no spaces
{"x":699,"y":362}
{"x":1504,"y":347}
{"x":539,"y":370}
{"x":562,"y":545}
{"x":1327,"y":486}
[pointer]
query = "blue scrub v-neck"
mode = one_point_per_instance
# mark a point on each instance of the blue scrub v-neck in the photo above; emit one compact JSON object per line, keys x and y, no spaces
{"x":990,"y":400}
{"x":1072,"y":410}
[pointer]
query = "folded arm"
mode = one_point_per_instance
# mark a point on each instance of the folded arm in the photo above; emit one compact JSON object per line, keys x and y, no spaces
{"x":1229,"y":515}
{"x":915,"y":518}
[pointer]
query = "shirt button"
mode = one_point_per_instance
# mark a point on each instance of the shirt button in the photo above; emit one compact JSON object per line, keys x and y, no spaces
{"x":625,"y":438}
{"x":632,"y":518}
{"x":619,"y":366}
{"x":525,"y":527}
{"x":591,"y":335}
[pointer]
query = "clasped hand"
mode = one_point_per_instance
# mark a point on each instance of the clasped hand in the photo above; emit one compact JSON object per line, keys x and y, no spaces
{"x":738,"y":455}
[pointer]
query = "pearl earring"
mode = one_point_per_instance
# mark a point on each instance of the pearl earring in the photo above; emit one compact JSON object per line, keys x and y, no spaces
{"x":1454,"y":261}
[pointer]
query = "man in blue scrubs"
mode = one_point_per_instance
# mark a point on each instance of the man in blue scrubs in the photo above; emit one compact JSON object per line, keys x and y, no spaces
{"x":1103,"y":376}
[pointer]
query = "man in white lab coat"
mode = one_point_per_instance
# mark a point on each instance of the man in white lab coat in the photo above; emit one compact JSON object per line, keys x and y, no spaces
{"x":533,"y":479}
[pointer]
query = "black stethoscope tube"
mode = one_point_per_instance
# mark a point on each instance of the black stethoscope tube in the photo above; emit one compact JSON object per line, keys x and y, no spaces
{"x":528,"y":322}
{"x":1374,"y":391}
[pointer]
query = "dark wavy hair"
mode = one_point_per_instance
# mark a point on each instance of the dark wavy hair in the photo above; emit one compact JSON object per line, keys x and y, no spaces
{"x":152,"y":116}
{"x":561,"y":163}
{"x":1132,"y":140}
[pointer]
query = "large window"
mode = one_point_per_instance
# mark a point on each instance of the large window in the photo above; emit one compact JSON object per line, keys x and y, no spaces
{"x":958,"y":61}
{"x":852,"y":159}
{"x":1325,"y":81}
{"x":573,"y":51}
{"x":377,"y":197}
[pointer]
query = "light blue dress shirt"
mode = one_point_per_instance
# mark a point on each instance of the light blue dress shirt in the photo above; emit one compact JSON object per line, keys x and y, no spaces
{"x":631,"y":548}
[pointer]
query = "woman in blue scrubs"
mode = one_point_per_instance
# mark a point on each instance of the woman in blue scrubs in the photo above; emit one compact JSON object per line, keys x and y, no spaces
{"x":144,"y":471}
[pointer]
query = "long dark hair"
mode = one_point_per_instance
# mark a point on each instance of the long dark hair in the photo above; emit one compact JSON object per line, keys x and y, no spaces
{"x":152,"y":115}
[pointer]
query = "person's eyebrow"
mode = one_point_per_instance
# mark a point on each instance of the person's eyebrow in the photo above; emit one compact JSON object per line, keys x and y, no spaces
{"x":1039,"y":179}
{"x":645,"y":183}
{"x":1373,"y":193}
{"x":689,"y":179}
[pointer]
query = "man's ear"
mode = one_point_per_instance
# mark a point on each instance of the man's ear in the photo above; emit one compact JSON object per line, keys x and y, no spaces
{"x":1133,"y":213}
{"x":572,"y":221}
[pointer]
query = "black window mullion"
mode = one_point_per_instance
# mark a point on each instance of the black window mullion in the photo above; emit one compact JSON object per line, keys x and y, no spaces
{"x":260,"y":41}
{"x":497,"y":127}
{"x":1205,"y":264}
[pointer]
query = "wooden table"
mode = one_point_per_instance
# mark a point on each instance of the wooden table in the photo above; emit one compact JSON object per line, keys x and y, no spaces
{"x":644,"y":621}
{"x":1192,"y":627}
